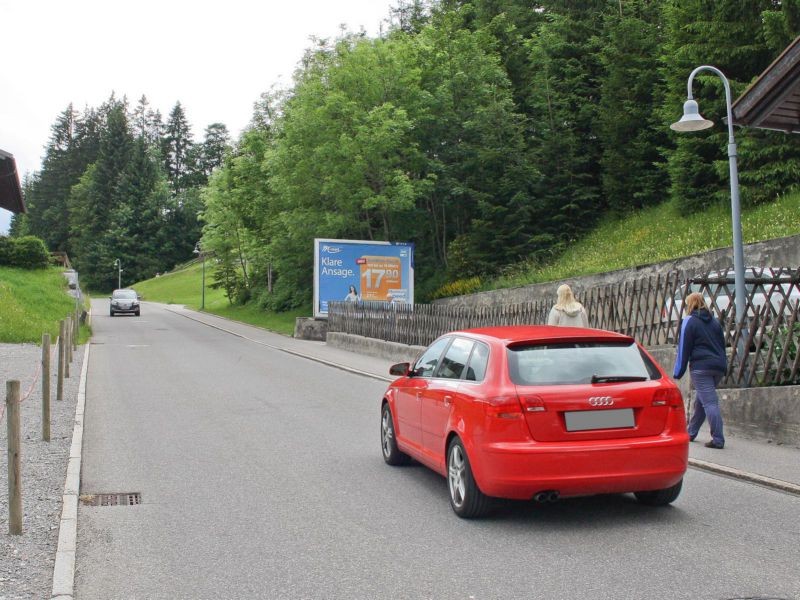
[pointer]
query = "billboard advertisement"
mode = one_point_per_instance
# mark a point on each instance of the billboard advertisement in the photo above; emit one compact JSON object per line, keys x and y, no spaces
{"x":355,"y":270}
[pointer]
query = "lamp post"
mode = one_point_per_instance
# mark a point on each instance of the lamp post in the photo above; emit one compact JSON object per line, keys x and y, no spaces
{"x":199,"y":252}
{"x":692,"y":120}
{"x":118,"y":264}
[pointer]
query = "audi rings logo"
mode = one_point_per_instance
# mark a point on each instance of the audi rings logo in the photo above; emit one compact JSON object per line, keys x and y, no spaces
{"x":601,"y":401}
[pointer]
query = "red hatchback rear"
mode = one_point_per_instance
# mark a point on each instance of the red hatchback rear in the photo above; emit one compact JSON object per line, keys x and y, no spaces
{"x":538,"y":412}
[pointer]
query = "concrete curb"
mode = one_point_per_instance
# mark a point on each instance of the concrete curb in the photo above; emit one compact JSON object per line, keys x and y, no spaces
{"x":64,"y":569}
{"x":776,"y":484}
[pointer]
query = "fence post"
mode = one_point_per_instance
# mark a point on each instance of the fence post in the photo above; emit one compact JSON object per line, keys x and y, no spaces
{"x":46,"y":387}
{"x":14,"y":482}
{"x":69,"y":340}
{"x":76,"y":329}
{"x":67,"y":346}
{"x":60,"y":381}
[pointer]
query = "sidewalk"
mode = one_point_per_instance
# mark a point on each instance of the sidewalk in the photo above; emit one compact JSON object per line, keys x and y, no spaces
{"x":771,"y":465}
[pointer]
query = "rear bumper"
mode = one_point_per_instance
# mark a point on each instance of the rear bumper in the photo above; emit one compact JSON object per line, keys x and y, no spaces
{"x":520,"y":470}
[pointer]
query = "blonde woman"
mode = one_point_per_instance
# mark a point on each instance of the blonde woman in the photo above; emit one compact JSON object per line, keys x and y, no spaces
{"x":701,"y":347}
{"x":567,"y":312}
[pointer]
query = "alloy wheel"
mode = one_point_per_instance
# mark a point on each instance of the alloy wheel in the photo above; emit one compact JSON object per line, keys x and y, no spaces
{"x":456,"y":475}
{"x":387,"y":433}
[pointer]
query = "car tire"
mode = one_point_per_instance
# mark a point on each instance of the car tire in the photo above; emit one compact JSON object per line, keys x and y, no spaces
{"x":391,"y":453}
{"x":111,"y":313}
{"x":466,"y":498}
{"x":660,"y":497}
{"x":137,"y":313}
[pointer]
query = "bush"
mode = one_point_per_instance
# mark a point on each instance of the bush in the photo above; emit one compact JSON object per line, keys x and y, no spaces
{"x":27,"y":252}
{"x":459,"y":287}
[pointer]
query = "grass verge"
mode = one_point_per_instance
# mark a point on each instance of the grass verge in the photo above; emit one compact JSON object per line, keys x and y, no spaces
{"x":32,"y":302}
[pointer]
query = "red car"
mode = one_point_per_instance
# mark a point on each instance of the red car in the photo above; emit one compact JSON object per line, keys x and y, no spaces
{"x":538,"y":412}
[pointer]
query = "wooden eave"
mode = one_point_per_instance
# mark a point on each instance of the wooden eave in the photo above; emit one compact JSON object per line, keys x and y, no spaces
{"x":773,"y":100}
{"x":10,"y":190}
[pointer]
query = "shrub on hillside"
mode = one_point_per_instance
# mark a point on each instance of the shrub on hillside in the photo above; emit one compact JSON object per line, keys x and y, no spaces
{"x":27,"y":252}
{"x":459,"y":287}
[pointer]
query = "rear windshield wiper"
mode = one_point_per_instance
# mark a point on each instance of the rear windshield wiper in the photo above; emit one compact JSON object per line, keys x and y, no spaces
{"x":610,"y":378}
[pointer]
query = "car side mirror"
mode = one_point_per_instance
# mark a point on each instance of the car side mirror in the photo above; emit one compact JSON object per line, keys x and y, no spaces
{"x":400,"y":369}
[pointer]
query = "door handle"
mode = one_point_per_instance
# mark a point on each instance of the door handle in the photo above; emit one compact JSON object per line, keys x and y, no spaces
{"x":448,"y":400}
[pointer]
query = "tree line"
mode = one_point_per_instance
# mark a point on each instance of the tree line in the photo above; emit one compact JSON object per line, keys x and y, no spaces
{"x":487,"y":132}
{"x":120,"y":183}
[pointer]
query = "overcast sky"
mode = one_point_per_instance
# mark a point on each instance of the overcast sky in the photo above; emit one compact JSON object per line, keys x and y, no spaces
{"x":216,"y":58}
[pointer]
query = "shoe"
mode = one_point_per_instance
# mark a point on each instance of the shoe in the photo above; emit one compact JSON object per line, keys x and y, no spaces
{"x":691,"y":438}
{"x":715,"y":445}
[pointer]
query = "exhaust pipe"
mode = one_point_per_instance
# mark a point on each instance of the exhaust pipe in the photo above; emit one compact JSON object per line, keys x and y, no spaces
{"x":546,"y":496}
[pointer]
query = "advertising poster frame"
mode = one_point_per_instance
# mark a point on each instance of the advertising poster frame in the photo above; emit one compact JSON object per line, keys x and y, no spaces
{"x":362,"y":271}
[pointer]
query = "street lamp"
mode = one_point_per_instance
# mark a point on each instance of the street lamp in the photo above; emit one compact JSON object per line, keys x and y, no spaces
{"x":199,"y":252}
{"x":692,"y":120}
{"x":118,"y":264}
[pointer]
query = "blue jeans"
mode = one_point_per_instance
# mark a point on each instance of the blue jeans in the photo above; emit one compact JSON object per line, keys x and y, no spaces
{"x":706,"y":404}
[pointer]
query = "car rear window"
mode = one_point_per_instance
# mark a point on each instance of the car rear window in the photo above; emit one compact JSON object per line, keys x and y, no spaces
{"x":574,"y":363}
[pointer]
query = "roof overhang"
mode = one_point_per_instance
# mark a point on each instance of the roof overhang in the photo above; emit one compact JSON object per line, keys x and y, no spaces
{"x":773,"y":100}
{"x":10,"y":190}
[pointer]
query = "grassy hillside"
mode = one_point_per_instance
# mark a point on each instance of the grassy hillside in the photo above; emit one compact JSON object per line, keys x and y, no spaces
{"x":185,"y":285}
{"x":32,"y":303}
{"x":657,"y":234}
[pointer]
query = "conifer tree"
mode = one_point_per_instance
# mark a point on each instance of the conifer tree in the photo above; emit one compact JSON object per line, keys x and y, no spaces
{"x":147,"y":123}
{"x":564,"y":102}
{"x":49,"y":190}
{"x":136,"y":223}
{"x":20,"y":222}
{"x":96,"y":199}
{"x":216,"y":144}
{"x":177,"y":149}
{"x":629,"y":128}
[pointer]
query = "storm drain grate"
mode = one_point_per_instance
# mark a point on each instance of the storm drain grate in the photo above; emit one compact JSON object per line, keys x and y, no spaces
{"x":124,"y":499}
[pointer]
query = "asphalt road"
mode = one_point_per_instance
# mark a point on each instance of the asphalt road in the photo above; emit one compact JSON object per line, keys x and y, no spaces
{"x":261,"y":476}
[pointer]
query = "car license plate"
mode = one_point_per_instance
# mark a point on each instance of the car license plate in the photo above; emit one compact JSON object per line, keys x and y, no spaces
{"x":584,"y":420}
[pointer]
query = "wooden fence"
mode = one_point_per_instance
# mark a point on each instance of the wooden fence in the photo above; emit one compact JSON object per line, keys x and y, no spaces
{"x":763,"y":346}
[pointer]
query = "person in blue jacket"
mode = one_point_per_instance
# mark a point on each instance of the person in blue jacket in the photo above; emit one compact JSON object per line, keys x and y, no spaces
{"x":701,"y":347}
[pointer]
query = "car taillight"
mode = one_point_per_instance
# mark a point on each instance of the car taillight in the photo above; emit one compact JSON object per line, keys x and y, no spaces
{"x":503,"y":407}
{"x":668,"y":397}
{"x":532,"y":403}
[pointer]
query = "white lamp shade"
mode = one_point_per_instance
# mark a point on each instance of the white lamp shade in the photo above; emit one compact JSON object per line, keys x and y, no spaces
{"x":691,"y":120}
